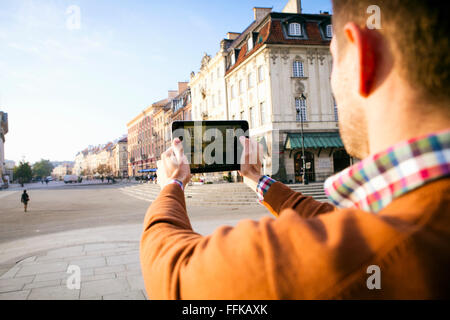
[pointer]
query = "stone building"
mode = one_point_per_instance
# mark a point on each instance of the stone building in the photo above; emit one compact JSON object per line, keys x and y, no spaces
{"x":149,"y":133}
{"x":140,"y":142}
{"x":120,"y":158}
{"x":87,"y":161}
{"x":61,"y":170}
{"x":277,"y":77}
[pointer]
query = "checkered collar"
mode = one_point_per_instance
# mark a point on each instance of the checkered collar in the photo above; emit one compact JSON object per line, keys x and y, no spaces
{"x":376,"y":181}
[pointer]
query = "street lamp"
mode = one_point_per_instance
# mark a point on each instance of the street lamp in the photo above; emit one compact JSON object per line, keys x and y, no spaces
{"x":303,"y":145}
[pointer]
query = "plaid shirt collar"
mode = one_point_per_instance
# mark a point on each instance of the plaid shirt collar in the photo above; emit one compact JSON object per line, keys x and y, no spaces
{"x":376,"y":181}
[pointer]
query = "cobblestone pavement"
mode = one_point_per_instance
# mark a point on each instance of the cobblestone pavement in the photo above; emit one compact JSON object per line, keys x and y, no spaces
{"x":109,"y":270}
{"x":96,"y":228}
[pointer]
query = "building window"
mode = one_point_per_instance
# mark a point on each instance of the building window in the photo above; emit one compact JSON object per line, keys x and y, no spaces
{"x":218,"y":73}
{"x":249,"y":44}
{"x":329,"y":31}
{"x":233,"y":58}
{"x":250,"y":80}
{"x":261,"y":73}
{"x":242,"y":115}
{"x":295,"y":29}
{"x":241,"y":87}
{"x":233,"y":92}
{"x":300,"y":108}
{"x":297,"y":68}
{"x":262,"y":112}
{"x":253,"y":118}
{"x":335,"y":110}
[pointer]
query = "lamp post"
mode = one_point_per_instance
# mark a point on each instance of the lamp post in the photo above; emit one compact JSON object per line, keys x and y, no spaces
{"x":303,"y":145}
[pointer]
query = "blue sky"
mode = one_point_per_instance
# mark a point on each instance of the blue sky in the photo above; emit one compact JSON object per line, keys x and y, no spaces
{"x":66,"y":89}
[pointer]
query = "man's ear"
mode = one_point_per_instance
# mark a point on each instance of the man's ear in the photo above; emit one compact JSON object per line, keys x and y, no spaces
{"x":363,"y":42}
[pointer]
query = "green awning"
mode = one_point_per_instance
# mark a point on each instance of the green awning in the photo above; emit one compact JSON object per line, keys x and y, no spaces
{"x":313,"y":140}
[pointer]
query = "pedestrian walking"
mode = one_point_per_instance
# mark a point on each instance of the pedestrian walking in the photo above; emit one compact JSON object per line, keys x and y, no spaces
{"x":24,"y":199}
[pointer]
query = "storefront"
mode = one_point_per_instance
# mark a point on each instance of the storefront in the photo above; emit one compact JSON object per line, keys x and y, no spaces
{"x":324,"y":155}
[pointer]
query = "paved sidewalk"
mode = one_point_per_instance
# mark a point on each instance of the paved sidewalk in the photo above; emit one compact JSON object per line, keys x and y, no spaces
{"x":109,"y":270}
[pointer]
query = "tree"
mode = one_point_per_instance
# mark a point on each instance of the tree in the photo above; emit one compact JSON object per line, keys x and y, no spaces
{"x":103,"y":169}
{"x":42,"y":168}
{"x":23,"y":172}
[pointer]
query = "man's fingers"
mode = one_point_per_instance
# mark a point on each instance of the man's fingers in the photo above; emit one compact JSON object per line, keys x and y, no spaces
{"x":177,"y":148}
{"x":167,"y":154}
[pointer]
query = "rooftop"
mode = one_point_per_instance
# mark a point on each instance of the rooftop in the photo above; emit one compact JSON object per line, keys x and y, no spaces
{"x":273,"y":30}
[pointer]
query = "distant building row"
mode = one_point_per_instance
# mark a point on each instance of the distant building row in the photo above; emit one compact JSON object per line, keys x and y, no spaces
{"x":107,"y":160}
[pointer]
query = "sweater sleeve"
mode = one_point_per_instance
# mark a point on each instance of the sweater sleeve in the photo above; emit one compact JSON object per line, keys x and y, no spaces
{"x":285,"y":258}
{"x":178,"y":263}
{"x":280,"y":197}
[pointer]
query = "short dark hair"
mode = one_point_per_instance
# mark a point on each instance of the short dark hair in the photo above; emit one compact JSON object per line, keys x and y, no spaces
{"x":418,"y":31}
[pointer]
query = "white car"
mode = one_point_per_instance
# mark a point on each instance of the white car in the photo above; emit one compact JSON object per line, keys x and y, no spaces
{"x":70,"y":179}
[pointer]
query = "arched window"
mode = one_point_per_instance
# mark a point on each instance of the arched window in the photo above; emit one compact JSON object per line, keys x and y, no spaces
{"x":260,"y":73}
{"x":300,"y":108}
{"x":241,"y":87}
{"x":295,"y":29}
{"x":297,"y":69}
{"x":250,"y":81}
{"x":335,"y":110}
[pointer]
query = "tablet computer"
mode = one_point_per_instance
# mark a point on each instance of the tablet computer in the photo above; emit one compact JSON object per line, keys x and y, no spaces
{"x":213,"y":145}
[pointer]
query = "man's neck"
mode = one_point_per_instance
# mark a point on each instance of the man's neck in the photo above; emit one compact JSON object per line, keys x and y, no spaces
{"x":395,"y":113}
{"x":391,"y":132}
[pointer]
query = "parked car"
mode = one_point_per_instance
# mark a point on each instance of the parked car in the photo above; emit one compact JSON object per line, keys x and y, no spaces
{"x":49,"y":178}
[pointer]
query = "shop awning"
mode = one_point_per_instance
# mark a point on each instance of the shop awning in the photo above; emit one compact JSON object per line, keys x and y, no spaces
{"x":147,"y":170}
{"x":313,"y":140}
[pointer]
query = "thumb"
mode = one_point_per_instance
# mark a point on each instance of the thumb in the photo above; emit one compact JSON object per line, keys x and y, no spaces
{"x":178,"y":149}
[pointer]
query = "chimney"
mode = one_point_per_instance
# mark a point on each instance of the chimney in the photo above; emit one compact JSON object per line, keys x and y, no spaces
{"x":259,"y":13}
{"x":182,"y":86}
{"x":293,"y":6}
{"x":172,"y":94}
{"x":232,"y":35}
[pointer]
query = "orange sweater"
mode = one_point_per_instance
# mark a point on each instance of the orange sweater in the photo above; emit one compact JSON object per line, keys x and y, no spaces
{"x":311,"y":251}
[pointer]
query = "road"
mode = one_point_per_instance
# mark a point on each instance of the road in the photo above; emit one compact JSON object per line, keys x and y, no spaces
{"x":58,"y":207}
{"x":94,"y":227}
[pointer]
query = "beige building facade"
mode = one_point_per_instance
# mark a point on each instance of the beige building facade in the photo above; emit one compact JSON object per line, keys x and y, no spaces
{"x":120,"y":158}
{"x":277,"y":77}
{"x":208,"y":88}
{"x":60,"y":171}
{"x":87,"y":161}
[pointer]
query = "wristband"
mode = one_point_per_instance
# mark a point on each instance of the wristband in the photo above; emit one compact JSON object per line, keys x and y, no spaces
{"x":178,"y":182}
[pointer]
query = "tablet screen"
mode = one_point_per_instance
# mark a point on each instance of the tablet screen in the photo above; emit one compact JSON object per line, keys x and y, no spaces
{"x":211,"y":146}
